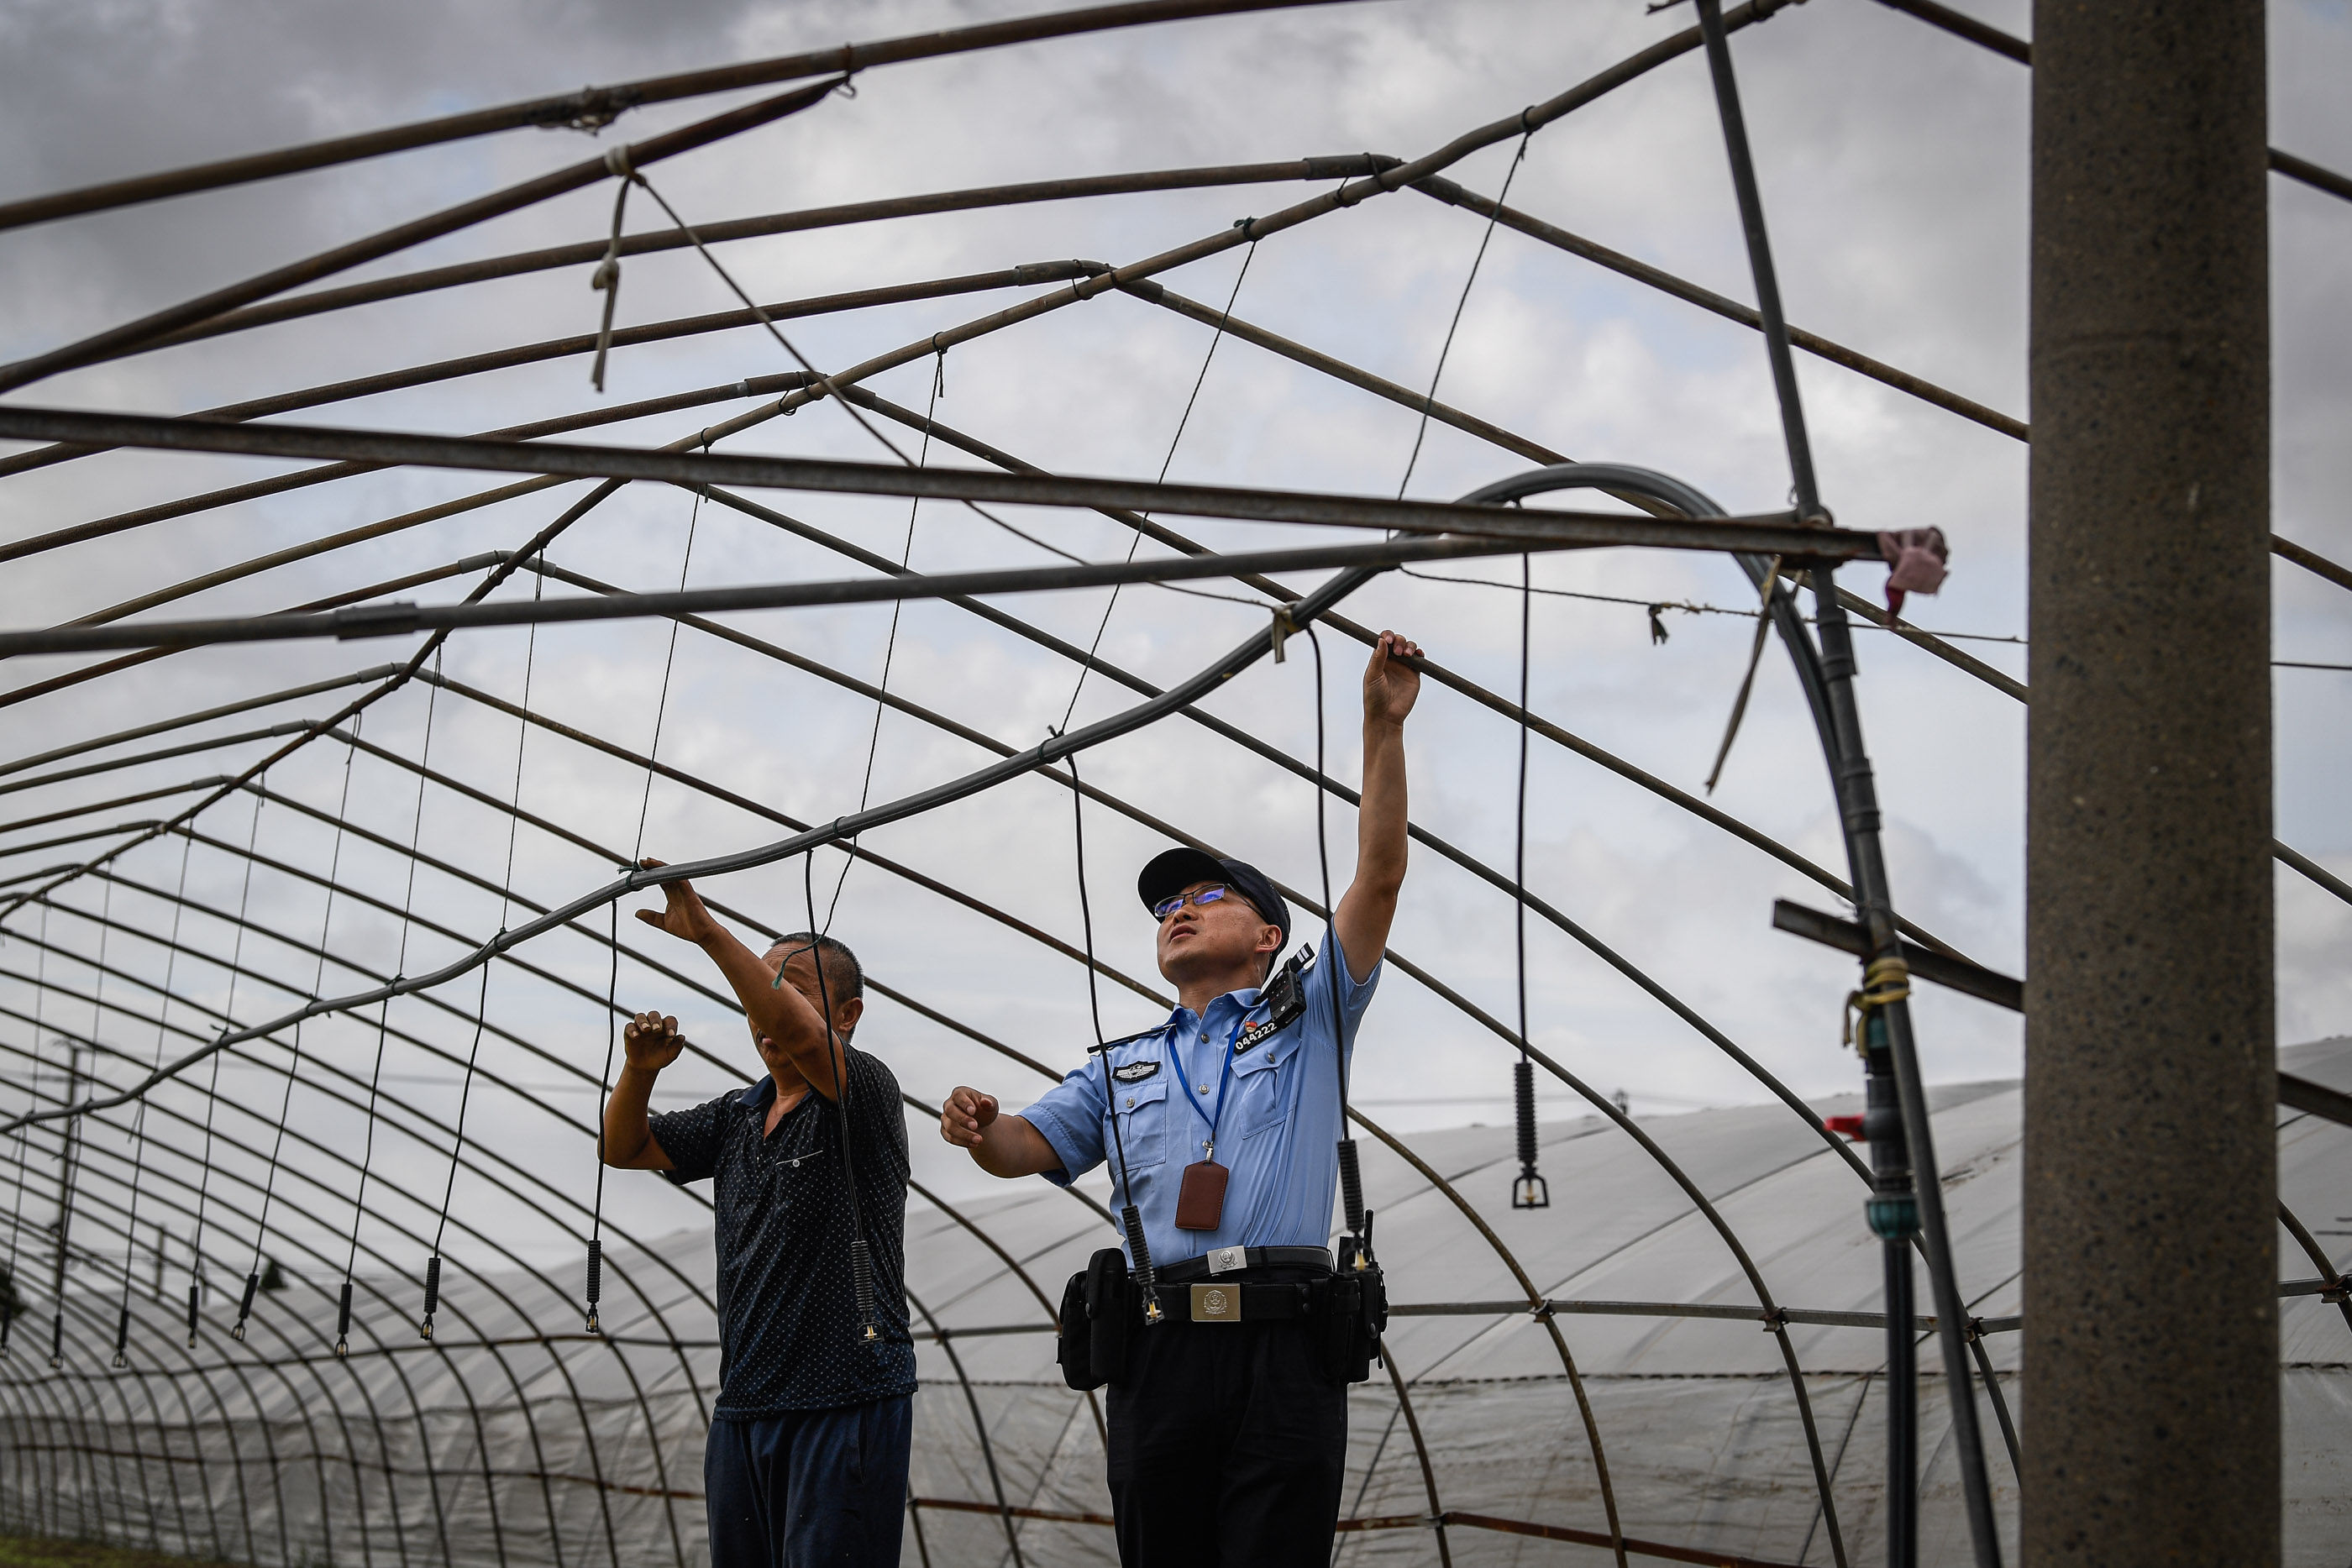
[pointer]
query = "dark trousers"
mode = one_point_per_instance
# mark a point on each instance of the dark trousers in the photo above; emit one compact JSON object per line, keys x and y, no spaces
{"x":1227,"y":1447}
{"x":812,"y":1488}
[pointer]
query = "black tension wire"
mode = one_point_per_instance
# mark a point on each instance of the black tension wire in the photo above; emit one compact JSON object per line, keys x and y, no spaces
{"x":1136,"y":541}
{"x":1429,"y":400}
{"x":10,"y":1295}
{"x":1130,"y":1219}
{"x":759,"y":311}
{"x":66,"y":1174}
{"x":595,"y":1283}
{"x":837,"y":1051}
{"x":66,"y":1143}
{"x":212,"y":1092}
{"x":890,"y":644}
{"x":482,"y":996}
{"x":861,"y":1256}
{"x":138,"y":1122}
{"x":383,"y":1015}
{"x":294,"y":1061}
{"x":1530,"y":1190}
{"x":1351,"y":1175}
{"x":826,"y":382}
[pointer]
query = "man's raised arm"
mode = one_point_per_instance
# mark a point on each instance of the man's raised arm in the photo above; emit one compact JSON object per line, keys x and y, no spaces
{"x":780,"y":1013}
{"x":1368,"y":905}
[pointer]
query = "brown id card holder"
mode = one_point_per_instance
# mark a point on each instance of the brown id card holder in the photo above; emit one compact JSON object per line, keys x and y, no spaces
{"x":1201,"y":1199}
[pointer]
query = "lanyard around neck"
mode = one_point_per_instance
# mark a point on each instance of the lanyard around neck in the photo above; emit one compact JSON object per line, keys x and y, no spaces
{"x":1224,"y":1081}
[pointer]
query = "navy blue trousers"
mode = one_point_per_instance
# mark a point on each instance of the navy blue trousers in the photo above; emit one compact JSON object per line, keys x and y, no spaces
{"x":814,"y":1489}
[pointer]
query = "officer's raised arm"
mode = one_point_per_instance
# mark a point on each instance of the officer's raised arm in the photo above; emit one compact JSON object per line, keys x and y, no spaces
{"x":1367,"y":908}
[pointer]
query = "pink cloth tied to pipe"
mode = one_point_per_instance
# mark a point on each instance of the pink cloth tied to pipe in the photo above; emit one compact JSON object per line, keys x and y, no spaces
{"x":1918,"y":556}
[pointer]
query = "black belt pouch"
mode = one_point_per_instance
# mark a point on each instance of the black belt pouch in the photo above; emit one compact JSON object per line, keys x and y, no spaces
{"x":1098,"y":1314}
{"x":1351,"y":1330}
{"x":1070,"y":1349}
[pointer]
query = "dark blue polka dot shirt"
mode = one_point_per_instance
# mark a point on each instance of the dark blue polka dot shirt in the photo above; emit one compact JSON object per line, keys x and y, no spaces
{"x":788,"y":1328}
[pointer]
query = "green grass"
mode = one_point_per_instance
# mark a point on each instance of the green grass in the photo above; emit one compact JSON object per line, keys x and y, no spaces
{"x":42,"y":1551}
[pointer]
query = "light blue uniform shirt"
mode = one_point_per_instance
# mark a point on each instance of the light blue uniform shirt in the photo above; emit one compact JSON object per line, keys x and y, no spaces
{"x":1278,"y":1135}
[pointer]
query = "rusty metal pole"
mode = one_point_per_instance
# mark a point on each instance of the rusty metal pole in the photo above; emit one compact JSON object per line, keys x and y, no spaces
{"x":2151,"y":1327}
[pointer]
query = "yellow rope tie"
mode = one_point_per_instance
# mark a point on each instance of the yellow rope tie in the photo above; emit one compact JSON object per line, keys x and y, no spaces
{"x":1884,"y":980}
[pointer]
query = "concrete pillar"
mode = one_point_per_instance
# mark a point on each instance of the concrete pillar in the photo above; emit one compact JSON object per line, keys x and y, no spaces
{"x":2151,"y":1418}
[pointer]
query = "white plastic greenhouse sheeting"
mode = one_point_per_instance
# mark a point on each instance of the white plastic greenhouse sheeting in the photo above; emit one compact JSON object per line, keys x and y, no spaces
{"x":1705,"y":1444}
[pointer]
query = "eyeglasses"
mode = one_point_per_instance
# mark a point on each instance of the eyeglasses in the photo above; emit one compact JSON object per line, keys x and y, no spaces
{"x":1207,"y":895}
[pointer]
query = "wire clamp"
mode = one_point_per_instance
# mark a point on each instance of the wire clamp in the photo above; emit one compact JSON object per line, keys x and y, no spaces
{"x":1884,"y":981}
{"x":1284,"y":628}
{"x":1248,"y":227}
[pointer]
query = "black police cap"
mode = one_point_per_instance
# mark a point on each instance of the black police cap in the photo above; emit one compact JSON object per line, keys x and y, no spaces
{"x":1172,"y":871}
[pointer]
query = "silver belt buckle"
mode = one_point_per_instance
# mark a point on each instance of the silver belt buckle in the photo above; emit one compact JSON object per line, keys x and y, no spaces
{"x":1216,"y":1303}
{"x":1228,"y":1259}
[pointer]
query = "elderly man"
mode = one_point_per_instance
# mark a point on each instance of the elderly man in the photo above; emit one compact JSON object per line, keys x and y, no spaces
{"x":810,"y":1435}
{"x":1228,"y":1420}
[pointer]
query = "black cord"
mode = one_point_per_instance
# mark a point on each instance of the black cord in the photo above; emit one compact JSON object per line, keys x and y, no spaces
{"x":383,"y":1015}
{"x":482,"y":997}
{"x":1130,"y":1219}
{"x":595,"y":1288}
{"x":1351,"y":1175}
{"x":212,"y":1092}
{"x":891,"y":645}
{"x":294,"y":1062}
{"x":66,"y":1167}
{"x":24,"y":1149}
{"x":1429,"y":400}
{"x":139,"y":1120}
{"x":65,"y":1188}
{"x":836,"y":1051}
{"x":1186,"y":418}
{"x":1530,"y":1191}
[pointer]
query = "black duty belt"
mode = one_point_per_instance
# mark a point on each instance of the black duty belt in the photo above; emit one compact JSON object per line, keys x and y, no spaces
{"x":1234,"y":1260}
{"x":1245,"y":1301}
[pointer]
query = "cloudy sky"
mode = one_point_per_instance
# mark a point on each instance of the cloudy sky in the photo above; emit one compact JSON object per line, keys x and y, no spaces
{"x":1893,"y":160}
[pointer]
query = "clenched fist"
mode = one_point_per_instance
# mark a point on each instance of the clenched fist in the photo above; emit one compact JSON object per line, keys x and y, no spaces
{"x":652,"y":1042}
{"x":965,"y":1116}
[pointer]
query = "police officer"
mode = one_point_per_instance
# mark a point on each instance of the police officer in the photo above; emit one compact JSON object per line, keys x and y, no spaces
{"x":1228,"y":1418}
